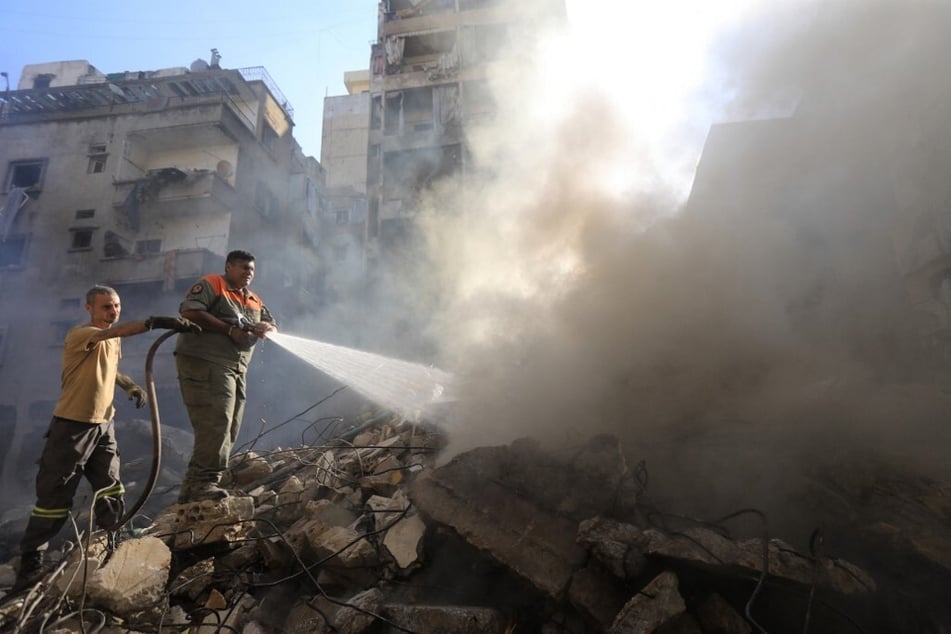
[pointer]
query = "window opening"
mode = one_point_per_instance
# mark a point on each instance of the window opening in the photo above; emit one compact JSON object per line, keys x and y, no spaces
{"x":27,"y":175}
{"x":82,"y":239}
{"x":148,"y":247}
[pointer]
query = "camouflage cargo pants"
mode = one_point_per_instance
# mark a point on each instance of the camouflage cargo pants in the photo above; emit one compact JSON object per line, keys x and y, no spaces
{"x":214,"y":396}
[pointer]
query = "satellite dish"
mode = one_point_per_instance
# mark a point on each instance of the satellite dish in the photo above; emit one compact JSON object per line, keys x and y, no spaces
{"x":224,"y":169}
{"x":198,"y":66}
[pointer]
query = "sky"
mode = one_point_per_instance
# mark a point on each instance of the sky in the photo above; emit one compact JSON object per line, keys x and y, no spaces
{"x":307,"y":45}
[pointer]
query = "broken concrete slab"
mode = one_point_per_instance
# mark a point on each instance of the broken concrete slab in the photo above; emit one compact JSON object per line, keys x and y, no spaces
{"x":249,"y":468}
{"x":343,"y":547}
{"x":614,"y":542}
{"x":134,"y":578}
{"x":307,"y":617}
{"x":404,"y":539}
{"x":385,"y":510}
{"x":444,"y":618}
{"x":658,"y":603}
{"x":194,"y":580}
{"x":358,"y":615}
{"x":597,"y":595}
{"x":616,"y":545}
{"x":702,"y":546}
{"x":535,"y":544}
{"x":208,"y":522}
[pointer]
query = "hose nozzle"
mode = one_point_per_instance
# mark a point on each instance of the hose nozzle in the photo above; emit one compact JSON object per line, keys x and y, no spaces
{"x":244,"y":323}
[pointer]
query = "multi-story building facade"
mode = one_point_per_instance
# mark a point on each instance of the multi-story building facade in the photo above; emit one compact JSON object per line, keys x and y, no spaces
{"x":142,"y":181}
{"x":343,"y":155}
{"x":429,"y":83}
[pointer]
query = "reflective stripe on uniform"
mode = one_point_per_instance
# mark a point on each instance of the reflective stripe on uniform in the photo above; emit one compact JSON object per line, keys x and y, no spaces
{"x":50,"y":513}
{"x":113,"y":491}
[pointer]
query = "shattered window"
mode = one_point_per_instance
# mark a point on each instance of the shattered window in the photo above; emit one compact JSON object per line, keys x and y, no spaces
{"x":82,"y":239}
{"x":268,"y":137}
{"x":97,"y":164}
{"x":42,"y":81}
{"x":264,"y":200}
{"x":148,"y":247}
{"x":26,"y":174}
{"x":83,"y":214}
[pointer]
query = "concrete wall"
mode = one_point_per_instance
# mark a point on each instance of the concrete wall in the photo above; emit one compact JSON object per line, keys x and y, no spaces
{"x":344,"y":141}
{"x":68,"y":73}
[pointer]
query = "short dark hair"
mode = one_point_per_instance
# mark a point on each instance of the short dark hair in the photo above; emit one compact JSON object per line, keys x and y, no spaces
{"x":99,"y":289}
{"x":239,"y":256}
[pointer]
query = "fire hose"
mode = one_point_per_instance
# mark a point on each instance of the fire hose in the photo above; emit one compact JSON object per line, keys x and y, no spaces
{"x":156,"y":432}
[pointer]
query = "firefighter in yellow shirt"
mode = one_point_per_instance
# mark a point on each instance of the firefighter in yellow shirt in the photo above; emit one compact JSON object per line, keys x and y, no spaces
{"x":81,"y":439}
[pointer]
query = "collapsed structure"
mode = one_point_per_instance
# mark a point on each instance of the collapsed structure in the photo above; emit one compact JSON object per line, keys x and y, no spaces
{"x":366,"y":533}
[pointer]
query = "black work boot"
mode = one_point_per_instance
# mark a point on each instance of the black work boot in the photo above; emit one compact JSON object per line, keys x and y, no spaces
{"x":31,"y":569}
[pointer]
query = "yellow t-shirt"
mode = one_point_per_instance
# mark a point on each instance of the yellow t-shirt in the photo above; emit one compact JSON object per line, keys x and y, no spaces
{"x":89,"y":376}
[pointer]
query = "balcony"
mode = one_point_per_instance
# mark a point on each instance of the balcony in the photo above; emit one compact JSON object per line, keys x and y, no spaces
{"x":171,"y":192}
{"x":166,"y":271}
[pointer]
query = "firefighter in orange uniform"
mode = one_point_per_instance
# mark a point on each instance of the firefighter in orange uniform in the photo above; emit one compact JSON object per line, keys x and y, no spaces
{"x":212,"y":368}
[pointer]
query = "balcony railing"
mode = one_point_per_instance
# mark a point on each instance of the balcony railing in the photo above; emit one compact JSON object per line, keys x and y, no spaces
{"x":259,"y":73}
{"x":174,"y":192}
{"x":167,"y":270}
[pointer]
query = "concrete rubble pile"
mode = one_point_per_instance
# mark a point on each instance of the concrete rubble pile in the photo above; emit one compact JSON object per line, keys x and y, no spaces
{"x":370,"y":535}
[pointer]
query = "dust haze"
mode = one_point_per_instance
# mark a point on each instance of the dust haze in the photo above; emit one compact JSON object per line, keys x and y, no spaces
{"x":732,"y":333}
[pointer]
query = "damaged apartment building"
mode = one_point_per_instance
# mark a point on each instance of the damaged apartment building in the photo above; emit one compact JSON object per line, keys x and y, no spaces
{"x":142,"y":181}
{"x":428,"y":86}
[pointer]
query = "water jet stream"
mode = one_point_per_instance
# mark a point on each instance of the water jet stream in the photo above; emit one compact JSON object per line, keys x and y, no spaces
{"x":408,"y":389}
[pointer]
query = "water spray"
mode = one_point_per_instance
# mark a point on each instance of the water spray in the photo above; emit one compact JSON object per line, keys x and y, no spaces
{"x":408,"y":389}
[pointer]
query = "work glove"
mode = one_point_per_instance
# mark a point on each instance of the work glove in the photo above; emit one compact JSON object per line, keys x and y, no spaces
{"x":137,"y":394}
{"x":178,"y":324}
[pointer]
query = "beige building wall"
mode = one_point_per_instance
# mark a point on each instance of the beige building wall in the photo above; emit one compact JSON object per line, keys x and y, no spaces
{"x":211,"y":173}
{"x":344,"y":141}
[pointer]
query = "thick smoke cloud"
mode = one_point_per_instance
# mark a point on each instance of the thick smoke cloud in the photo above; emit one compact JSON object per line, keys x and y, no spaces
{"x":756,"y":328}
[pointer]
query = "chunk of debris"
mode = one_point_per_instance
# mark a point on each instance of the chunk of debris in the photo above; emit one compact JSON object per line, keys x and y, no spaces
{"x":445,"y":618}
{"x":208,"y":521}
{"x":194,"y":580}
{"x":710,"y":550}
{"x":597,"y":595}
{"x":359,"y":613}
{"x":658,"y":603}
{"x":134,"y":578}
{"x":249,"y":469}
{"x":467,"y":496}
{"x":404,"y":539}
